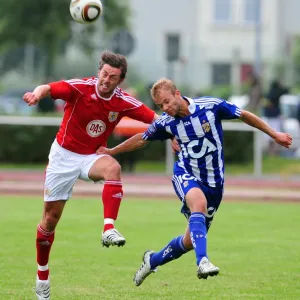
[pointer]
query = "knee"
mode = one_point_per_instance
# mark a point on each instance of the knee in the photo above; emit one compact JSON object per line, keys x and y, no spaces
{"x":198,"y":206}
{"x":50,"y":220}
{"x":196,"y":200}
{"x":113,"y":171}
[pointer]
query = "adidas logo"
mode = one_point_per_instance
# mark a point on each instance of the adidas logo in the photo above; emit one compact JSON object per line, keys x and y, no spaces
{"x":118,"y":195}
{"x":44,"y":243}
{"x":207,"y":106}
{"x":93,"y":96}
{"x":167,"y":251}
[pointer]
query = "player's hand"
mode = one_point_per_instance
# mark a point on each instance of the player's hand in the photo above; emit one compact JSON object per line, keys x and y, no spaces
{"x":283,"y":139}
{"x":175,"y":145}
{"x":30,"y":98}
{"x":103,"y":150}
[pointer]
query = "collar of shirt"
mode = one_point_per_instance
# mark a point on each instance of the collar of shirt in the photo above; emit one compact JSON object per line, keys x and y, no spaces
{"x":192,"y":105}
{"x":97,"y":92}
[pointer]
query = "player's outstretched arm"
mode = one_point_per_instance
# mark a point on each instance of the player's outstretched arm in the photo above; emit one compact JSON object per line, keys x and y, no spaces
{"x":40,"y":92}
{"x":283,"y":139}
{"x":130,"y":144}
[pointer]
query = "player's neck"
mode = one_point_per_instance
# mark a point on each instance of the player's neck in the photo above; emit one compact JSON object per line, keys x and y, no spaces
{"x":105,"y":95}
{"x":184,"y":109}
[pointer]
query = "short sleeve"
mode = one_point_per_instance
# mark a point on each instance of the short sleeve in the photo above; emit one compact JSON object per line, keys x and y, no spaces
{"x":226,"y":111}
{"x":156,"y":131}
{"x":141,"y":113}
{"x":63,"y":90}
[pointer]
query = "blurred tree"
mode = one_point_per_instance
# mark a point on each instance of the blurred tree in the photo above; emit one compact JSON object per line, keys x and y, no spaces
{"x":48,"y":25}
{"x":296,"y":59}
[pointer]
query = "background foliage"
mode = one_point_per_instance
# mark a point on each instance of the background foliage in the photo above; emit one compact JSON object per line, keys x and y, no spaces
{"x":31,"y":144}
{"x":48,"y":26}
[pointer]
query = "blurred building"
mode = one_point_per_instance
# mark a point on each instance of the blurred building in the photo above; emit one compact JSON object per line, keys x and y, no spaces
{"x":216,"y":41}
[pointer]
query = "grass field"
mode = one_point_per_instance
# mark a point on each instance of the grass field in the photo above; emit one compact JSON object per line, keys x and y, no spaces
{"x":256,"y":246}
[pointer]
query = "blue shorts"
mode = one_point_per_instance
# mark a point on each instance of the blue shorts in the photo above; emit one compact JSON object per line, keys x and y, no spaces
{"x":183,"y":182}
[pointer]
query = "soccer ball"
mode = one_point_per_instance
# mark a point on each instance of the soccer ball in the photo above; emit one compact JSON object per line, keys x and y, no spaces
{"x":85,"y":11}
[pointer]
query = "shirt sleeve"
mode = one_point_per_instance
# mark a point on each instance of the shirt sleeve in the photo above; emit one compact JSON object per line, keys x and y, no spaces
{"x":156,"y":132}
{"x":141,"y":113}
{"x":226,"y":111}
{"x":63,"y":90}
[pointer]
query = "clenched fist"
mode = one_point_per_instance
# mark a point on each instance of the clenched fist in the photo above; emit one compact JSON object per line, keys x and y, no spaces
{"x":30,"y":98}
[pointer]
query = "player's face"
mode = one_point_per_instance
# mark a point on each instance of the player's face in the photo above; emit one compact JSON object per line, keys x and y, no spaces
{"x":168,"y":102}
{"x":109,"y":79}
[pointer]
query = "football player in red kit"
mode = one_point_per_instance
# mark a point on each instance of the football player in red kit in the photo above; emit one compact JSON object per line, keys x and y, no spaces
{"x":93,"y":108}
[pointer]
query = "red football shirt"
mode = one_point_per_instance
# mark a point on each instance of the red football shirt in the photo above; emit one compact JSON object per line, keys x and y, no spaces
{"x":90,"y":119}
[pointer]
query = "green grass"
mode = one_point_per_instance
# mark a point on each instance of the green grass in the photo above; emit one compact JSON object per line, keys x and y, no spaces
{"x":256,"y":246}
{"x":271,"y":165}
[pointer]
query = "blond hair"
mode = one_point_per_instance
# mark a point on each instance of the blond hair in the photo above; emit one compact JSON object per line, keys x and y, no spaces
{"x":163,"y":84}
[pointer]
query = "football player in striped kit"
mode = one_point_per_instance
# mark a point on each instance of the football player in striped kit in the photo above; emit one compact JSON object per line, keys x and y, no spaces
{"x":198,"y":177}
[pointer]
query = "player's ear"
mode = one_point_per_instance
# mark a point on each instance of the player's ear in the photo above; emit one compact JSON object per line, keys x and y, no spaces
{"x":121,"y":80}
{"x":177,"y":93}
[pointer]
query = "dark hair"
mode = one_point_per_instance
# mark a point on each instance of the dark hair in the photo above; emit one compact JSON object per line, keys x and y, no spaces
{"x":114,"y":60}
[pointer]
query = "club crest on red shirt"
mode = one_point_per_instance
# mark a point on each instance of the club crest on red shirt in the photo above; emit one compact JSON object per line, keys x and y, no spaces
{"x":112,"y":116}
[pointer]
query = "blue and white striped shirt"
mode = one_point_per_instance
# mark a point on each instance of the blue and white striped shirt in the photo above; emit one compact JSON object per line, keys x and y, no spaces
{"x":200,"y":136}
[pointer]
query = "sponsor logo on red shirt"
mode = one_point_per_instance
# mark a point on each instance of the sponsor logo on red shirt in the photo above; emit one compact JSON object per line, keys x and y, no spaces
{"x":95,"y":128}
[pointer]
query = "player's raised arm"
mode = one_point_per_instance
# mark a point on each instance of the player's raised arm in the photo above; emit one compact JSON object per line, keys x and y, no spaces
{"x":283,"y":139}
{"x":131,"y":144}
{"x":40,"y":92}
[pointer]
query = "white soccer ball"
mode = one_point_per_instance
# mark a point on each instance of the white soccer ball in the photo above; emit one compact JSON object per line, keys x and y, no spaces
{"x":85,"y":11}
